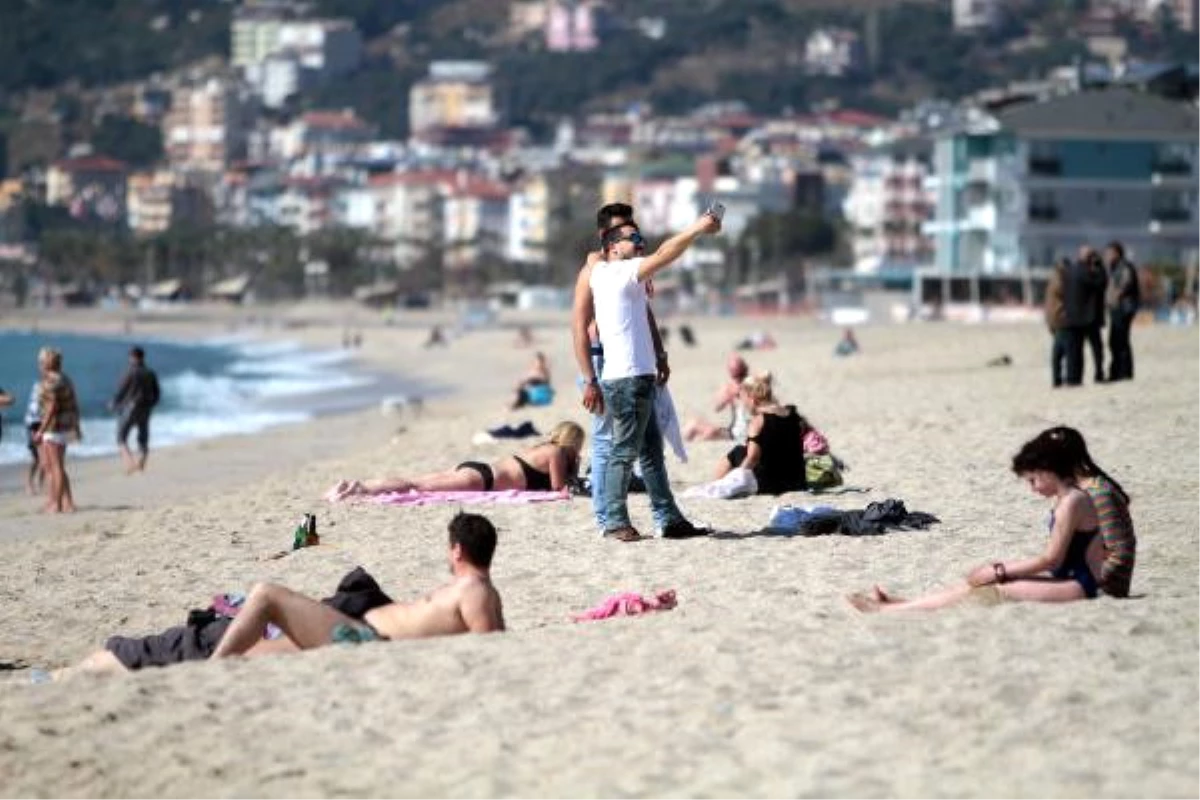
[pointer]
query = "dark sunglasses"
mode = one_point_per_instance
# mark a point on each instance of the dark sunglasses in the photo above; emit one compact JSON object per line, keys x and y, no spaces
{"x":635,"y":237}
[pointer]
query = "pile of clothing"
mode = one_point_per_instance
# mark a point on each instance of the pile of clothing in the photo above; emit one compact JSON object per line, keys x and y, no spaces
{"x":875,"y":519}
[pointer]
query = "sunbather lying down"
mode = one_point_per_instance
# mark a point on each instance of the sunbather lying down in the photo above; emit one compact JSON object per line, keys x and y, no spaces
{"x":544,"y":467}
{"x":469,"y":603}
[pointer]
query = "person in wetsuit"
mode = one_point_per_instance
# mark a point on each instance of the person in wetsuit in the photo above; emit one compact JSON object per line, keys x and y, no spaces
{"x":1091,"y":543}
{"x":545,"y":467}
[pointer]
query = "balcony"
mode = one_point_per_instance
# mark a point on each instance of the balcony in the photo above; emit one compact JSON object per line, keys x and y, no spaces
{"x":1045,"y":165}
{"x":1043,"y":213}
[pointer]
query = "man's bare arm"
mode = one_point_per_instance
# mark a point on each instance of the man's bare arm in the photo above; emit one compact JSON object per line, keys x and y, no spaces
{"x":674,"y":247}
{"x":582,"y":313}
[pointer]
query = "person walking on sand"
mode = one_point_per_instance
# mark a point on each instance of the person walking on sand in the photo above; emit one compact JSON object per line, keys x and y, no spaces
{"x":58,"y":408}
{"x":136,"y":397}
{"x":467,"y":604}
{"x":616,"y":290}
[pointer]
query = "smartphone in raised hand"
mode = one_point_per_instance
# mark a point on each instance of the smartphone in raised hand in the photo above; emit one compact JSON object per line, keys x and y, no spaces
{"x":716,"y":211}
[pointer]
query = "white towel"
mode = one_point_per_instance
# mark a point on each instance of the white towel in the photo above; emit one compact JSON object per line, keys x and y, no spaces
{"x":668,"y":422}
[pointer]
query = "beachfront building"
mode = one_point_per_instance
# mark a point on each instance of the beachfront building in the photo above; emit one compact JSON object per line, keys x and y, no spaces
{"x":888,"y":204}
{"x":1030,"y":183}
{"x":161,"y":198}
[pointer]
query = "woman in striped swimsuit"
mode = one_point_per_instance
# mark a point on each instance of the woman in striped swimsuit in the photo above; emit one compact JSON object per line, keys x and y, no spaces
{"x":1092,"y":543}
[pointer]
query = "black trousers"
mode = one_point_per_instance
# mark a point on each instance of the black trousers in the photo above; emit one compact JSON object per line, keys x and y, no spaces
{"x":1071,"y":341}
{"x":1119,"y":347}
{"x":1058,"y":356}
{"x":1095,"y":340}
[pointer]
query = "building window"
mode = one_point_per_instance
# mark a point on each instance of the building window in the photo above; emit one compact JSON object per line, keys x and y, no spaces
{"x":1043,"y":158}
{"x":1174,"y":158}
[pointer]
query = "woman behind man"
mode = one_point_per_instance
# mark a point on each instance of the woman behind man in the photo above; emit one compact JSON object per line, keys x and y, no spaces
{"x":777,"y":440}
{"x":1092,"y":545}
{"x":58,"y":409}
{"x":544,"y":467}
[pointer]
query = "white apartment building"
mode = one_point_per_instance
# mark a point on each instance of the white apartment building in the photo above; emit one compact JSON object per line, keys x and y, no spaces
{"x":832,"y":51}
{"x":282,"y":54}
{"x":888,"y":203}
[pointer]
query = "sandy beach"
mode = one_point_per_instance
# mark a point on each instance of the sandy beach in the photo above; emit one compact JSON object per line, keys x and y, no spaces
{"x":763,"y":681}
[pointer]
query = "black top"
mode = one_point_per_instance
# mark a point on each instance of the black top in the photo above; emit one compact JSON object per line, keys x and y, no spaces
{"x":535,"y":479}
{"x":138,"y":390}
{"x":781,"y":464}
{"x":1083,"y":288}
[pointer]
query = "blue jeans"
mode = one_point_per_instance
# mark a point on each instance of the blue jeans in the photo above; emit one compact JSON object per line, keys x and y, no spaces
{"x":601,"y":448}
{"x":629,"y":404}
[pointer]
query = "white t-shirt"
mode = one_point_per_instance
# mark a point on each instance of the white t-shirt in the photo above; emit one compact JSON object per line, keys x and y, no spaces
{"x":619,"y":299}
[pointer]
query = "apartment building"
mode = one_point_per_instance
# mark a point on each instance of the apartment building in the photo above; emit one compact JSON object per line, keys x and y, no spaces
{"x":889,"y":203}
{"x":1030,"y":183}
{"x":89,"y":186}
{"x":208,"y":124}
{"x":455,"y":95}
{"x":160,"y":199}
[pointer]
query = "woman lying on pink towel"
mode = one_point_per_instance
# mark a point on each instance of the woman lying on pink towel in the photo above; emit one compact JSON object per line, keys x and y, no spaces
{"x":544,"y":467}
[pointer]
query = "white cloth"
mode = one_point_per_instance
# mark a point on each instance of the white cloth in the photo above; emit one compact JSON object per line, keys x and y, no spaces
{"x":738,"y":482}
{"x":668,"y":422}
{"x":619,"y":299}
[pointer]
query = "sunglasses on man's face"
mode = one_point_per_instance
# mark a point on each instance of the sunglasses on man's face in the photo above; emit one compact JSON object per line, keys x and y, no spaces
{"x":635,"y":237}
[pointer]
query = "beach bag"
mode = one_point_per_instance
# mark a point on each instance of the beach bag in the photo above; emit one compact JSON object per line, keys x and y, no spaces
{"x":822,"y":472}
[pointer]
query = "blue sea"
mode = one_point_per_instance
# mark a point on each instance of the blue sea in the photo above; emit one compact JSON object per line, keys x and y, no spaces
{"x":209,"y":388}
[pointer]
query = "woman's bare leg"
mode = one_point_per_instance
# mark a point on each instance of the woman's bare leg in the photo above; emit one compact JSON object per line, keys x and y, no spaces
{"x":306,"y":622}
{"x":50,"y":457}
{"x":723,"y":468}
{"x":67,"y":501}
{"x":1043,"y":591}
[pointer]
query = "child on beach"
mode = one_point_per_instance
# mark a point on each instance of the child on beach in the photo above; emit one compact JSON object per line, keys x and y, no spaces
{"x":1092,"y":543}
{"x":544,"y":467}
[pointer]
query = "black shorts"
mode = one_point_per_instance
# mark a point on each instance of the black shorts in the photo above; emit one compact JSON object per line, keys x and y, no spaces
{"x":484,"y":470}
{"x":29,"y":441}
{"x":139,"y":418}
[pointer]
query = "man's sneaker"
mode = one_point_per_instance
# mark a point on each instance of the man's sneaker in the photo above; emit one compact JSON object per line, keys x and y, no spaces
{"x":682,"y":529}
{"x":625,"y":534}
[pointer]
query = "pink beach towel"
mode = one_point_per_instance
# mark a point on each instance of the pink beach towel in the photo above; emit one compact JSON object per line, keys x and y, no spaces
{"x":629,"y":604}
{"x":507,"y":497}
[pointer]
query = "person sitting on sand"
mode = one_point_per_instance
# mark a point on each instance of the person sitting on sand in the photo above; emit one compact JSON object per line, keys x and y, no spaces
{"x":847,"y":345}
{"x":774,"y":448}
{"x":544,"y":467}
{"x":534,"y":388}
{"x":727,"y":399}
{"x":1091,"y":547}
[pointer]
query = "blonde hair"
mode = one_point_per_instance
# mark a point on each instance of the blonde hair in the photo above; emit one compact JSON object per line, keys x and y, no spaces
{"x":52,"y":358}
{"x":568,"y":435}
{"x":759,"y":388}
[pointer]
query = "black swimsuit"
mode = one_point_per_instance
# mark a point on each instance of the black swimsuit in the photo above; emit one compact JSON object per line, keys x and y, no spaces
{"x":1074,"y":565}
{"x":535,"y":481}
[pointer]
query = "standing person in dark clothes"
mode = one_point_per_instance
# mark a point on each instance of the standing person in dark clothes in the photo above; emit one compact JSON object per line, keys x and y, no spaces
{"x":136,"y":398}
{"x":1056,"y":321}
{"x":1095,"y":332}
{"x":1080,"y":286}
{"x":1123,"y":297}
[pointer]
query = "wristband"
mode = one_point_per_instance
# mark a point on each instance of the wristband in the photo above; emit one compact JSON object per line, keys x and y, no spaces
{"x":593,"y":381}
{"x":1001,"y":572}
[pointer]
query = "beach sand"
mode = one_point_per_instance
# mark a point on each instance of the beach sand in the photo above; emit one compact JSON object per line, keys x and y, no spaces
{"x":762,"y":682}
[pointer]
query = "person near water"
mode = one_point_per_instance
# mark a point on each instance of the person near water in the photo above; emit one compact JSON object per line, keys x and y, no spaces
{"x":58,"y":410}
{"x":610,"y":215}
{"x":615,"y":289}
{"x":136,"y":397}
{"x":35,"y":479}
{"x":545,"y":467}
{"x":1091,"y":548}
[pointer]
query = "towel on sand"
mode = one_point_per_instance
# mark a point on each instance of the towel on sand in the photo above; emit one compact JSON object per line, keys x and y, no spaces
{"x":506,"y":497}
{"x":629,"y":604}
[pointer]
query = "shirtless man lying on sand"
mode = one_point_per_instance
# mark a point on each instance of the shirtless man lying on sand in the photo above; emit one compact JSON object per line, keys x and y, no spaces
{"x":469,"y":603}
